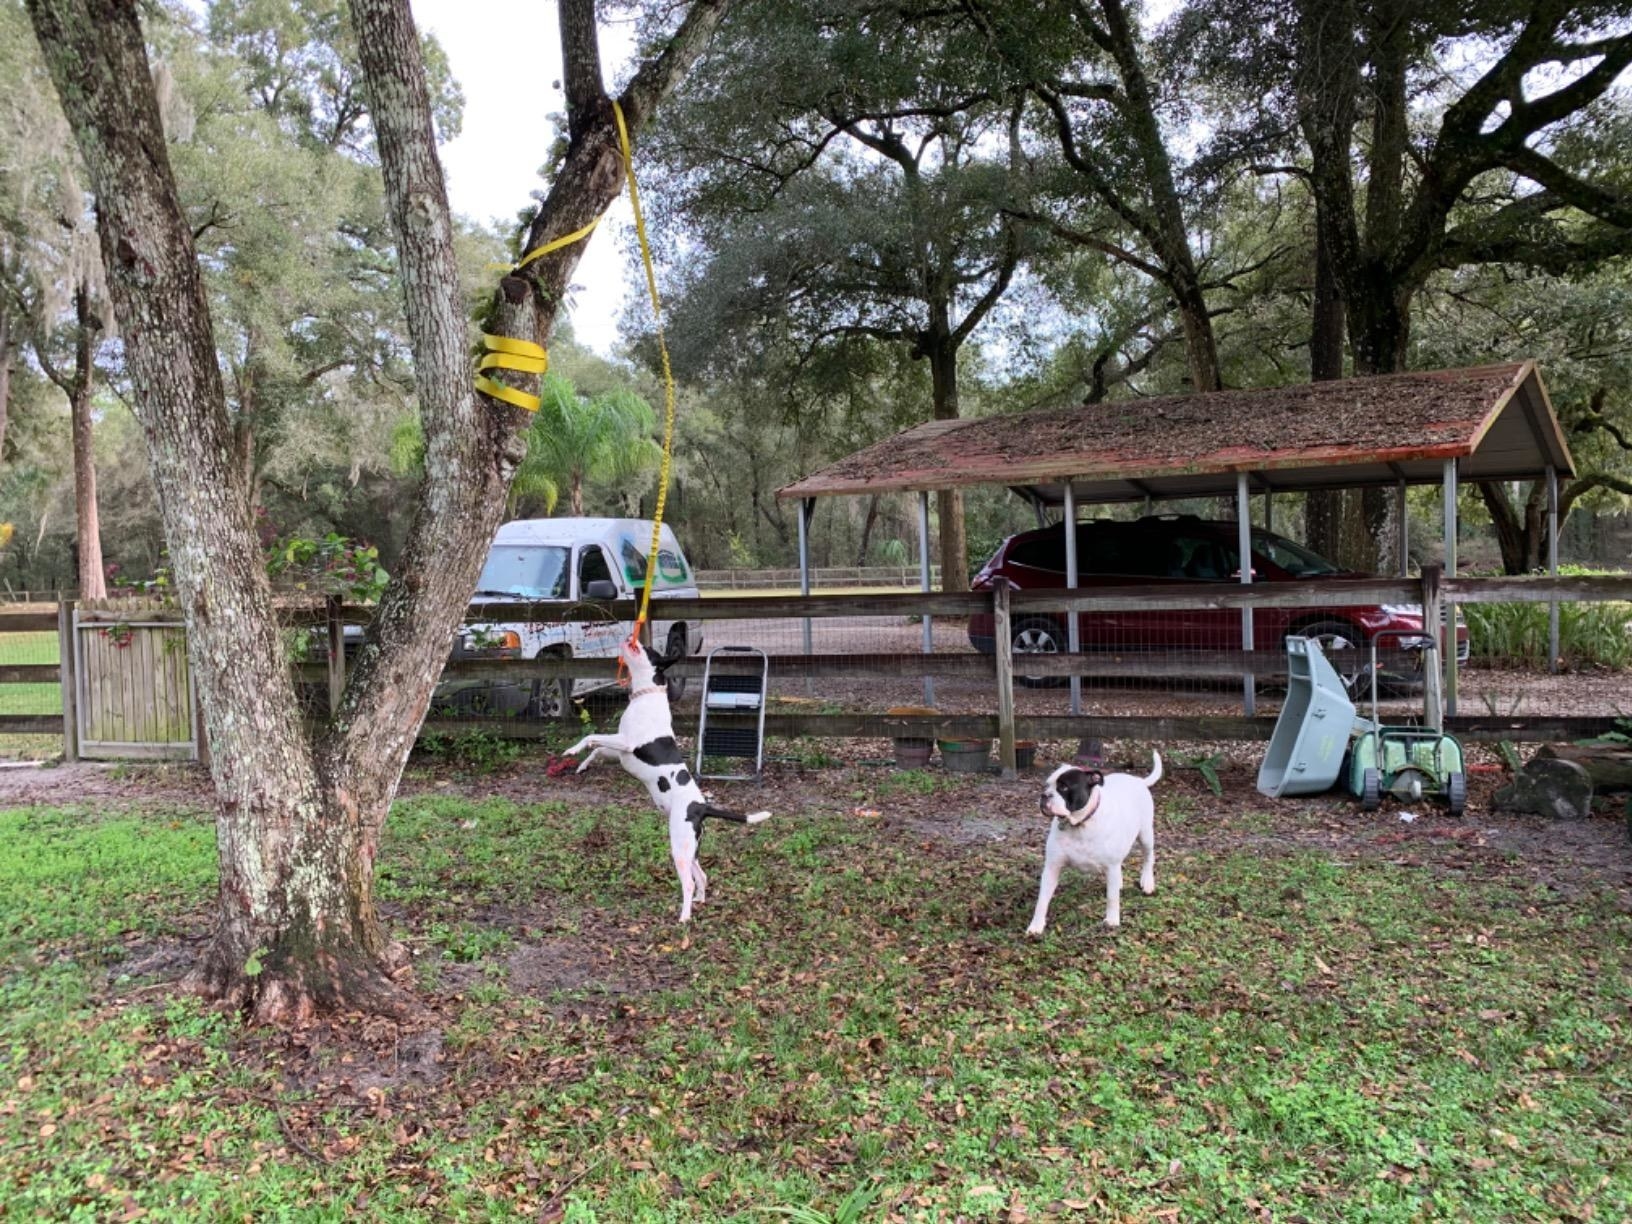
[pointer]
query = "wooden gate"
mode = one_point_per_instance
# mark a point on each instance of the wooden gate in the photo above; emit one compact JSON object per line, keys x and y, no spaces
{"x":133,"y":694}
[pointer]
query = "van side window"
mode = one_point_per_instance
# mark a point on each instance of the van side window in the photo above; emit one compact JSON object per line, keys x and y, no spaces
{"x":592,"y":567}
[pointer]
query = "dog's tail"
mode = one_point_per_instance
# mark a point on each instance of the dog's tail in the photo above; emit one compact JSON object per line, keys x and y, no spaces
{"x":1155,"y":774}
{"x":720,"y":813}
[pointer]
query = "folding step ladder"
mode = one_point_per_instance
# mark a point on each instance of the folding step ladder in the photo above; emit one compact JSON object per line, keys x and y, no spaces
{"x":734,"y":695}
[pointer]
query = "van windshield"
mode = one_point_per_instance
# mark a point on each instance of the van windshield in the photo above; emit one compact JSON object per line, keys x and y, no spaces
{"x":527,"y":571}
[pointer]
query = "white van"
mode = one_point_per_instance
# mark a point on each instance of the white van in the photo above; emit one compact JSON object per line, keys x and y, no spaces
{"x":587,"y":561}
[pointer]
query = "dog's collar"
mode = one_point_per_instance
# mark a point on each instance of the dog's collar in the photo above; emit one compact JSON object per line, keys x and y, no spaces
{"x":645,"y":692}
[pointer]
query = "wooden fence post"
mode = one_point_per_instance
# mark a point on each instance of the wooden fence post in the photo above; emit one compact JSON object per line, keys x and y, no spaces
{"x":336,"y":625}
{"x":1004,"y":650}
{"x":1433,"y":607}
{"x":68,"y":680}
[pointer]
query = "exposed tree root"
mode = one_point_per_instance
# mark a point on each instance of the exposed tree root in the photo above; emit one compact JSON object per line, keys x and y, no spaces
{"x":290,"y":992}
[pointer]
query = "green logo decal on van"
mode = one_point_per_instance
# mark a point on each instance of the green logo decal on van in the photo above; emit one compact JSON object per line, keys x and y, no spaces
{"x":671,"y":567}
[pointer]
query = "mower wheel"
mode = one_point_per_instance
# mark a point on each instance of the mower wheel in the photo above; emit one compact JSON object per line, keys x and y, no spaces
{"x":1456,"y":792}
{"x":1371,"y":790}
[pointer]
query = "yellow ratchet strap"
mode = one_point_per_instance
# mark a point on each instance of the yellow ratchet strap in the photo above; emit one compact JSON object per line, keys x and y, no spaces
{"x":507,"y":353}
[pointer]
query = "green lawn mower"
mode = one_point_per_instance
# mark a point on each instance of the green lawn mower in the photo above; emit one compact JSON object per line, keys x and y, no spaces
{"x":1311,"y":748}
{"x":1408,"y":762}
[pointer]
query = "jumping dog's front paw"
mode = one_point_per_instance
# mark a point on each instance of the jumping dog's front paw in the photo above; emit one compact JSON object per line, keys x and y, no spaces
{"x":1035,"y":930}
{"x":582,"y":765}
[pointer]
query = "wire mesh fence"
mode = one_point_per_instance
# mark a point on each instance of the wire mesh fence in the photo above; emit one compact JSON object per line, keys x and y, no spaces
{"x":1139,"y":657}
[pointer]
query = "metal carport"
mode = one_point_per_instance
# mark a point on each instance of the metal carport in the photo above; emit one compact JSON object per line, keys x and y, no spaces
{"x":1439,"y":427}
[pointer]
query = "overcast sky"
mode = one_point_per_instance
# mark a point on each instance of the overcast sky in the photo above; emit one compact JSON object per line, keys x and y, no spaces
{"x":493,"y":165}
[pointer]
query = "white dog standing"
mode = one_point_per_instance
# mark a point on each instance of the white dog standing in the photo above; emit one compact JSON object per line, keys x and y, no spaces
{"x":645,"y":747}
{"x":1097,"y":818}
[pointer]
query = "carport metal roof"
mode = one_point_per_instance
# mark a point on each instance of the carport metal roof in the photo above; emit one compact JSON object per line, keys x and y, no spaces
{"x":1495,"y":421}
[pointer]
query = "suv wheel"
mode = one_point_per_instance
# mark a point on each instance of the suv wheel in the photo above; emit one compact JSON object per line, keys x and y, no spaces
{"x":1038,"y":636}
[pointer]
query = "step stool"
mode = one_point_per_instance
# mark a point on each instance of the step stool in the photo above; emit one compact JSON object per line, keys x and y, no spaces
{"x":733,"y":695}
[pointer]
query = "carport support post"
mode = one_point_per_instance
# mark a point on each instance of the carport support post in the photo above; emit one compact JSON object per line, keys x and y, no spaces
{"x":1552,"y":566}
{"x":1243,"y":539}
{"x":1403,"y":525}
{"x":1003,"y":654}
{"x":1433,"y":715}
{"x":923,"y":583}
{"x":1449,"y":638}
{"x":807,"y":508}
{"x":1073,"y":630}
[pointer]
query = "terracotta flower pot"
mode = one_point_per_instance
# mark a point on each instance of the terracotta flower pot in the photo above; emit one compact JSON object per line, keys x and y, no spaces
{"x":1025,"y":753}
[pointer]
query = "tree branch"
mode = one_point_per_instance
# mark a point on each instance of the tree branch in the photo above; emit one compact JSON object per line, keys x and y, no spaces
{"x":1576,"y":192}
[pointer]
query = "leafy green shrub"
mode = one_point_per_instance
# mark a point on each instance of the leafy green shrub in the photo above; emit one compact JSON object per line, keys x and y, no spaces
{"x":1594,"y":634}
{"x":479,"y":750}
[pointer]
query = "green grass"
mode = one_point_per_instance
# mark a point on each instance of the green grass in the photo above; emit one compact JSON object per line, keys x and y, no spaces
{"x":855,"y":1016}
{"x":35,"y":647}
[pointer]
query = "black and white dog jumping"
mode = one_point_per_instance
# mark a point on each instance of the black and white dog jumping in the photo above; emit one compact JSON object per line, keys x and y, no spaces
{"x":645,"y":747}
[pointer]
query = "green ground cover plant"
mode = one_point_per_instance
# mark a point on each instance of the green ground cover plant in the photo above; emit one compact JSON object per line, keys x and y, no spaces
{"x":855,"y":1029}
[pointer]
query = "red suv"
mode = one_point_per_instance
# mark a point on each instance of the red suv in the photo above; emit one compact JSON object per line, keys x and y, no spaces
{"x":1177,"y":550}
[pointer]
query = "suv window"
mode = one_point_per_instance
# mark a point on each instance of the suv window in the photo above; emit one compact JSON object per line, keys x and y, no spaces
{"x":1046,"y":553}
{"x":1197,"y":558}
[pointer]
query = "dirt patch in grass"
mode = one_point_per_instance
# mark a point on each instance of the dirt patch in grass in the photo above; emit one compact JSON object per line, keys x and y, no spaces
{"x":591,"y":970}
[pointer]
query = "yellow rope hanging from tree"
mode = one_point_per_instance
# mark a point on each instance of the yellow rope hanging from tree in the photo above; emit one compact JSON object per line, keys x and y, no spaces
{"x":668,"y":376}
{"x":505,"y":353}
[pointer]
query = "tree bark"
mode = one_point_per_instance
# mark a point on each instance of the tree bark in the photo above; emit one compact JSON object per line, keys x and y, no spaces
{"x":1171,"y":237}
{"x":1521,"y":533}
{"x":93,"y":582}
{"x":943,"y":368}
{"x":1323,"y":509}
{"x":5,"y":378}
{"x":298,"y":821}
{"x":867,"y":530}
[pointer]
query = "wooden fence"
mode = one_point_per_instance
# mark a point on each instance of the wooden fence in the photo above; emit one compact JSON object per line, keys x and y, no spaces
{"x":824,"y":577}
{"x":1002,"y":723}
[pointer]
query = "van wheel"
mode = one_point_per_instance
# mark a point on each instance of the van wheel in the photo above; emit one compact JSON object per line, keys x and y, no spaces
{"x":1037,"y":636}
{"x":551,"y":699}
{"x":676,"y":685}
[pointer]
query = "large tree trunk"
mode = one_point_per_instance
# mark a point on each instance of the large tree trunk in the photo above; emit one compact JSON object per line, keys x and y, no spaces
{"x":1323,"y":509}
{"x":5,"y":378}
{"x":867,"y":530}
{"x":93,"y":582}
{"x":1169,"y":235}
{"x":1520,"y":533}
{"x":943,"y":367}
{"x":298,"y":821}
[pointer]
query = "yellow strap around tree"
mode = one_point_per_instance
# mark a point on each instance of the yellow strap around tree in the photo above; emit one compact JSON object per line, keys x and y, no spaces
{"x":508,"y":353}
